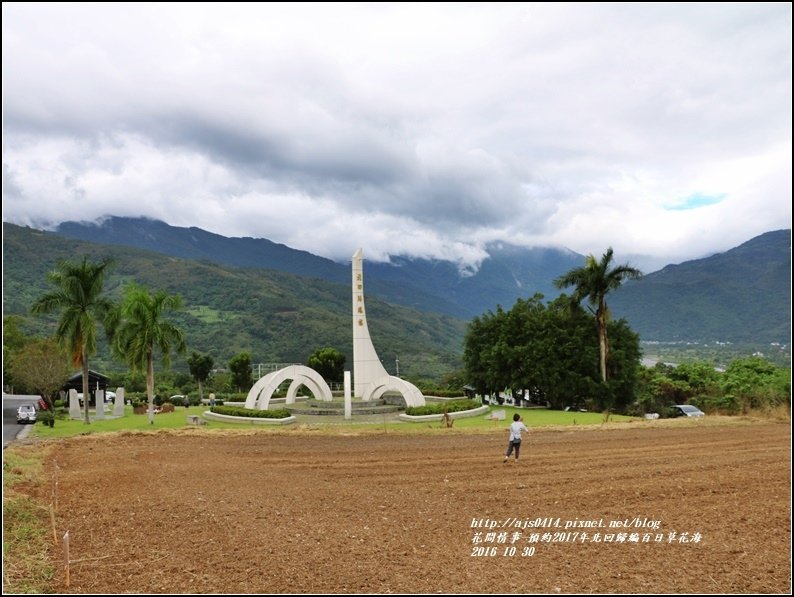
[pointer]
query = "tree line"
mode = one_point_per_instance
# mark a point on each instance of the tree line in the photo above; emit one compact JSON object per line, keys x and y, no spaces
{"x":563,"y":354}
{"x":137,"y":329}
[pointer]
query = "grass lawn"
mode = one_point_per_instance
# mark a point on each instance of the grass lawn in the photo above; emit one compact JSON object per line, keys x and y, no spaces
{"x":536,"y":417}
{"x":178,"y":420}
{"x":129,"y":422}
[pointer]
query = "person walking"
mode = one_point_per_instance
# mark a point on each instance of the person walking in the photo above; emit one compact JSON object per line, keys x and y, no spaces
{"x":516,"y":427}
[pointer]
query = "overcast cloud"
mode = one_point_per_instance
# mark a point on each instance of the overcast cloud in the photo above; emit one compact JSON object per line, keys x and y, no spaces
{"x":429,"y":130}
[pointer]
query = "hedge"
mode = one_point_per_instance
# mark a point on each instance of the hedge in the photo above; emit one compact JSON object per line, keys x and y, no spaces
{"x":441,"y":408}
{"x":442,"y":393}
{"x":239,"y":411}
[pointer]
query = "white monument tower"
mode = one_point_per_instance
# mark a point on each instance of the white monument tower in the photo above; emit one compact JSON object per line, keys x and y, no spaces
{"x":370,"y":378}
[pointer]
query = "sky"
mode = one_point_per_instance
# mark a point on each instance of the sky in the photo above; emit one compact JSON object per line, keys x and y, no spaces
{"x":418,"y":129}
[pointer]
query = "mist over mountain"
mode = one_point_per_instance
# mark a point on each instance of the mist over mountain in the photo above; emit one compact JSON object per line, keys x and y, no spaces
{"x":426,"y":284}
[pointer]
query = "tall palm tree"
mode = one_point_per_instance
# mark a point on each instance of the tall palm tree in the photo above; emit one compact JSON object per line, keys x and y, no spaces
{"x":79,"y":299}
{"x":594,"y":281}
{"x":142,"y":332}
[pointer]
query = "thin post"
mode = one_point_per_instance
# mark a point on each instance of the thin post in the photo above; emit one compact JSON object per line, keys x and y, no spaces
{"x":66,"y":559}
{"x":54,"y":531}
{"x":55,"y":485}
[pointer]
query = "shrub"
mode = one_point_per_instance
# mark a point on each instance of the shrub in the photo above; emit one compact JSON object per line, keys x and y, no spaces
{"x":238,"y":411}
{"x":442,"y":407}
{"x":442,"y":393}
{"x":139,"y":406}
{"x":45,"y":417}
{"x":727,"y":404}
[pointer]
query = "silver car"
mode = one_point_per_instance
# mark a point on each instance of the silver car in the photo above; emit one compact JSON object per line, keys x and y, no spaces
{"x":687,"y":410}
{"x":26,"y":413}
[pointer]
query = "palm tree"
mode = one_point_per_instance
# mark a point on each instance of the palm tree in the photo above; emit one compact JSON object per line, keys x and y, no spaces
{"x":142,"y":331}
{"x":79,"y":298}
{"x":594,"y":281}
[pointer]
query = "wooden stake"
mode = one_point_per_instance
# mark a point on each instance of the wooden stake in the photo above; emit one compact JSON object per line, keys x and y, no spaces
{"x":54,"y":531}
{"x":55,"y":485}
{"x":66,"y":559}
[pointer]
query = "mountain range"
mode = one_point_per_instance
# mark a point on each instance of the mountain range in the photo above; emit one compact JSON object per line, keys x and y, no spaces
{"x":741,"y":295}
{"x":424,"y":284}
{"x":275,"y":316}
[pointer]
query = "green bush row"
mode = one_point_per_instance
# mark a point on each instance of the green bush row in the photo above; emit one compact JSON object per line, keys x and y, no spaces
{"x":727,"y":404}
{"x":238,"y":411}
{"x":442,"y":407}
{"x":442,"y":393}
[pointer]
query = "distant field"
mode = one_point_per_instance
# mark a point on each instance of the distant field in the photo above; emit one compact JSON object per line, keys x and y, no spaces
{"x":209,"y":315}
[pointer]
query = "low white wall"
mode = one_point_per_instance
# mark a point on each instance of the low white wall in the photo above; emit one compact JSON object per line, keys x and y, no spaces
{"x":461,"y":414}
{"x":211,"y":416}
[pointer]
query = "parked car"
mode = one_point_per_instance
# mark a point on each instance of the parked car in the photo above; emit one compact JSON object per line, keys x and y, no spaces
{"x":26,"y":413}
{"x":687,"y":410}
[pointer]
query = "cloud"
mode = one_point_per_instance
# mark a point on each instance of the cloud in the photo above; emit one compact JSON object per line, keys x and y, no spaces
{"x":426,"y":130}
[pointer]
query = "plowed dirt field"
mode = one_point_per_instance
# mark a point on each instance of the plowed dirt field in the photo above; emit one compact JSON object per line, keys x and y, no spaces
{"x":694,"y":509}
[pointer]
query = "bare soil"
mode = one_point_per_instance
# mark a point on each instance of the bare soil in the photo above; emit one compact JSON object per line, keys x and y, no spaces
{"x":304,"y":511}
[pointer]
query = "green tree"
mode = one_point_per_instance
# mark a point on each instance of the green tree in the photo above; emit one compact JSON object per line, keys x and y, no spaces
{"x":242,"y":376}
{"x":550,"y":351}
{"x":700,"y":378}
{"x":562,"y":351}
{"x":143,"y":331}
{"x":329,"y":363}
{"x":200,"y":369}
{"x":453,"y":380}
{"x":41,"y":367}
{"x":132,"y":381}
{"x":79,"y":299}
{"x":13,"y":341}
{"x":757,"y":383}
{"x":484,"y":352}
{"x":594,"y":281}
{"x":624,"y":367}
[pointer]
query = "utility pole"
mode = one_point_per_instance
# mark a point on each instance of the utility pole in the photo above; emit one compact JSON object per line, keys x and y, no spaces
{"x":397,"y":360}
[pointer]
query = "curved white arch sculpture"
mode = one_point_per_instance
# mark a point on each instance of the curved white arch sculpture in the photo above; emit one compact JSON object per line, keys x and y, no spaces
{"x":260,"y":394}
{"x":413,"y":396}
{"x":369,"y":376}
